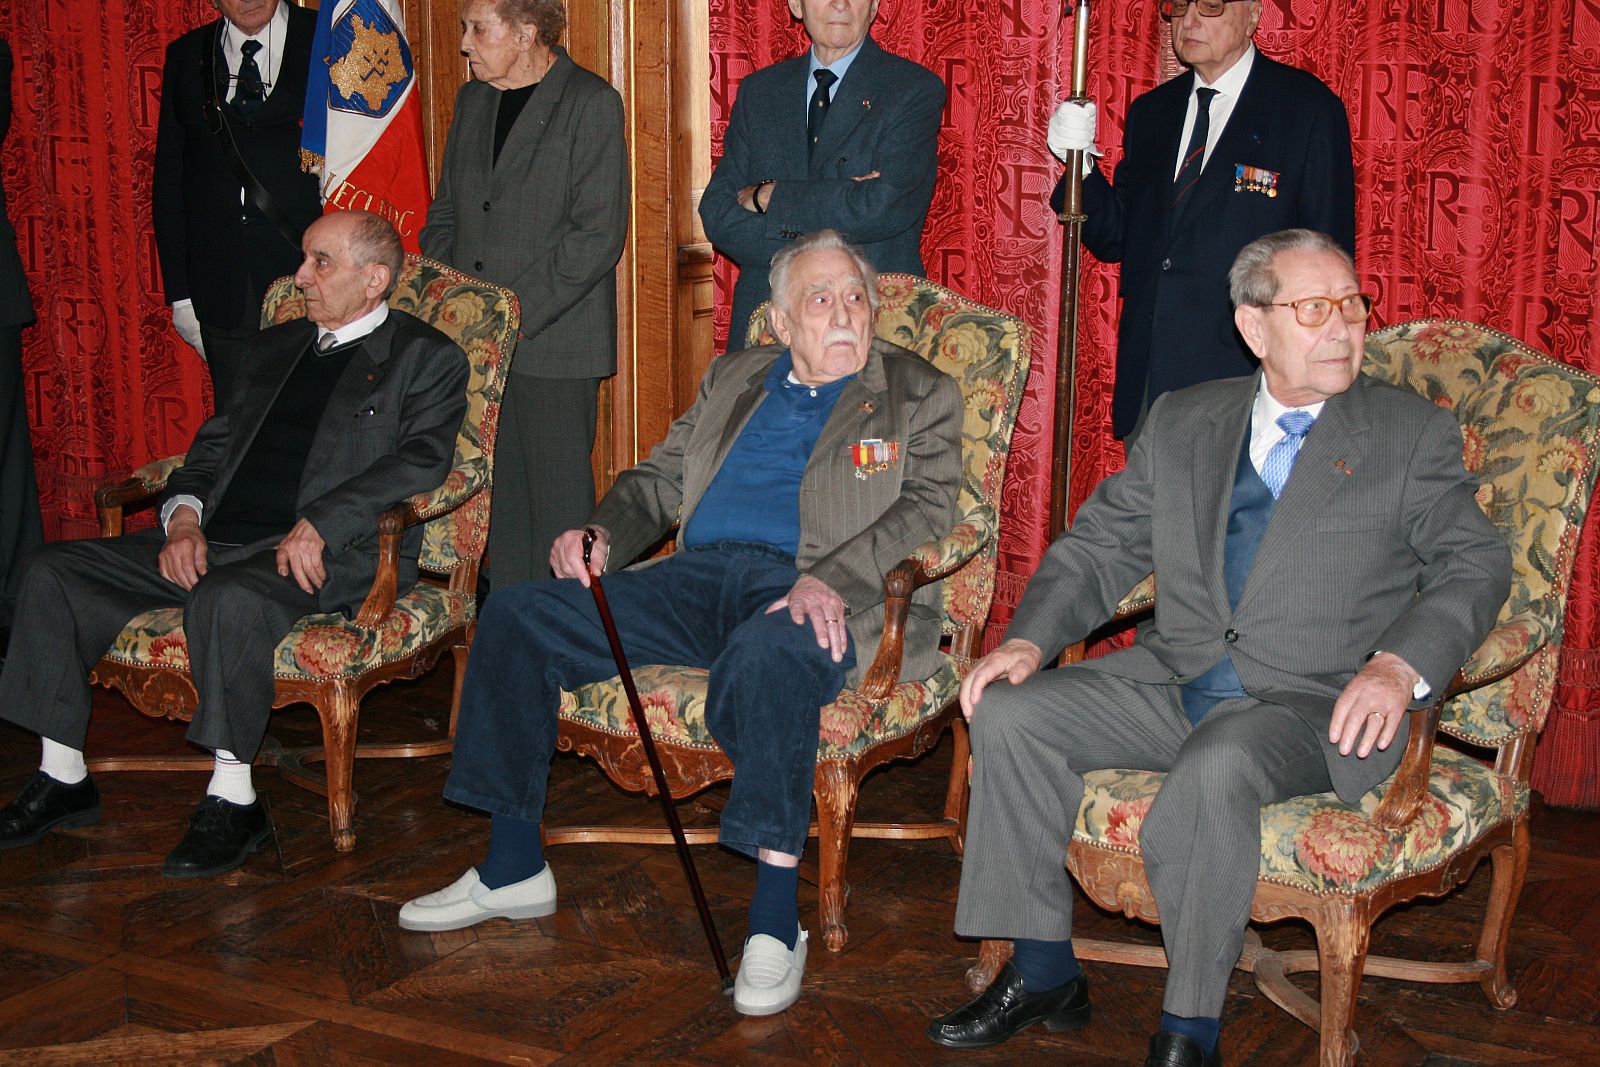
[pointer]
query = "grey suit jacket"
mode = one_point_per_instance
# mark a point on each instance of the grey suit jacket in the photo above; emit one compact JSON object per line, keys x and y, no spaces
{"x":1377,"y":543}
{"x":389,"y":431}
{"x":884,"y":117}
{"x":852,"y":529}
{"x":547,"y":220}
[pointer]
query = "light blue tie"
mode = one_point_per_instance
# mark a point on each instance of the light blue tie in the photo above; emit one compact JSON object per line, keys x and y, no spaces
{"x":1280,"y":461}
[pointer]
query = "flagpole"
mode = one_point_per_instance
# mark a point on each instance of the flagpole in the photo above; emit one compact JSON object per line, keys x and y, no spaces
{"x":1072,"y":219}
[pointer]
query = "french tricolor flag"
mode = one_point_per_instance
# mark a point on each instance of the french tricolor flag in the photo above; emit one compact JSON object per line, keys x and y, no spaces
{"x":363,"y":119}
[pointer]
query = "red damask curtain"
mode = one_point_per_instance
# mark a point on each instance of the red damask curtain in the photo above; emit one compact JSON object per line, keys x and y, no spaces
{"x":109,"y":385}
{"x":1477,"y":145}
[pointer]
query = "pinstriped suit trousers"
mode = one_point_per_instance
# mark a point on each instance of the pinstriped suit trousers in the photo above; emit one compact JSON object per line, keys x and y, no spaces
{"x":1201,"y":839}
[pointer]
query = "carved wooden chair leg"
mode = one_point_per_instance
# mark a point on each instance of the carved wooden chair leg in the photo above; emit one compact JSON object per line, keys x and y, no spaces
{"x":836,"y":786}
{"x":992,"y":955}
{"x":955,"y":797}
{"x":1342,"y":938}
{"x":459,"y":653}
{"x":1510,"y":865}
{"x":339,"y":743}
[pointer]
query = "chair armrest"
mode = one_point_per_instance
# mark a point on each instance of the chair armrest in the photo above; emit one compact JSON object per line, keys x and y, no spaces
{"x":928,"y":562}
{"x":459,"y":486}
{"x":942,"y":558}
{"x":145,"y":482}
{"x":1508,"y":646}
{"x":1140,"y":599}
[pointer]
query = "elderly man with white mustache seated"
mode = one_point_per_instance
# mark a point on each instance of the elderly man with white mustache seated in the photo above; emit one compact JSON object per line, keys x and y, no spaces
{"x":801,"y":474}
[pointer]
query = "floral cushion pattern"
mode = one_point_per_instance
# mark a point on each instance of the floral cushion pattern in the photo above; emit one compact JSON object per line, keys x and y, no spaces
{"x":483,"y":320}
{"x":320,"y":646}
{"x":1529,"y":428}
{"x":674,"y":701}
{"x":1318,"y":843}
{"x":987,"y":352}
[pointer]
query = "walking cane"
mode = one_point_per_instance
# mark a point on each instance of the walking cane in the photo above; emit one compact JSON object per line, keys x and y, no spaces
{"x":656,"y":772}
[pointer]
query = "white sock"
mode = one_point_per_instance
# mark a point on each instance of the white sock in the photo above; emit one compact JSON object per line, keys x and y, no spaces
{"x":230,"y":779}
{"x":63,"y":764}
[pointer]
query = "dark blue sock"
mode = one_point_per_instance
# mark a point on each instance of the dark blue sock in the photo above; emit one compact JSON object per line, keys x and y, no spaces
{"x":1045,"y":965}
{"x":516,"y":852}
{"x":774,"y":907}
{"x":1203,"y":1032}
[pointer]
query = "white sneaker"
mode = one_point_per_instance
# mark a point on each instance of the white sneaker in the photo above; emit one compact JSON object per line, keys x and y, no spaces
{"x":769,"y":975}
{"x":467,"y":901}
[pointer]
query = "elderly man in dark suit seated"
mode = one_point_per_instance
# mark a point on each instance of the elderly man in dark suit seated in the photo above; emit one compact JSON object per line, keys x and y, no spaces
{"x":777,"y":587}
{"x":273,"y":516}
{"x":1321,"y":565}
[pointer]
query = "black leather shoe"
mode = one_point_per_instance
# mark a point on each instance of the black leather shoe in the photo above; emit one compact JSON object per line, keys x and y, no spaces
{"x":1004,"y":1008}
{"x":221,"y":836}
{"x":45,"y":804}
{"x":1176,"y":1050}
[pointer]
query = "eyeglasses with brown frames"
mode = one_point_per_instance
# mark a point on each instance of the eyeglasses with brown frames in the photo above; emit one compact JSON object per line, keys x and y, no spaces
{"x":1313,"y":311}
{"x":1175,"y":9}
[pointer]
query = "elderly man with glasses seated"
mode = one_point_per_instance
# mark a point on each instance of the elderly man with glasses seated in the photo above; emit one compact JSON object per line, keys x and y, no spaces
{"x":1237,"y":147}
{"x":1322,"y":565}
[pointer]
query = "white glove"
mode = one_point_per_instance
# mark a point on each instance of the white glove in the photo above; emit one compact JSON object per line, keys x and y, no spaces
{"x":1072,"y":129}
{"x":188,"y":327}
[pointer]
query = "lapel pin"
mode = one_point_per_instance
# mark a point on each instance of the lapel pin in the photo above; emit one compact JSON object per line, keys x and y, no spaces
{"x":867,"y":408}
{"x":867,"y":104}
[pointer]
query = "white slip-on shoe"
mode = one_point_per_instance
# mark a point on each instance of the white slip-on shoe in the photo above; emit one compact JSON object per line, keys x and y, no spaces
{"x":769,"y":975}
{"x":467,"y":901}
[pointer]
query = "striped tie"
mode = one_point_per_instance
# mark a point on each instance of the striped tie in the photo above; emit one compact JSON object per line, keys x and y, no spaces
{"x":1194,"y":158}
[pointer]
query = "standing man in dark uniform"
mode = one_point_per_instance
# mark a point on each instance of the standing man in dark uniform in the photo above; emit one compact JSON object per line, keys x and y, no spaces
{"x":844,"y":136}
{"x":20,"y":529}
{"x":223,"y":236}
{"x":1238,"y":147}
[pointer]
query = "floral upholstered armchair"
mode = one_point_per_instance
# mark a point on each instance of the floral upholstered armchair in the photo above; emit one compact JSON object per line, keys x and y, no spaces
{"x":327,"y":660}
{"x":1529,"y":427}
{"x":987,"y":352}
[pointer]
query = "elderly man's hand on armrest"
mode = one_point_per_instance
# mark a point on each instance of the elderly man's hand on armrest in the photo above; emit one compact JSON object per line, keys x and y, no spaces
{"x":1372,"y":705}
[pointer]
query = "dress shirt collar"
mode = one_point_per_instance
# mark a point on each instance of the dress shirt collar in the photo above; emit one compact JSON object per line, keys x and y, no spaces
{"x":355,"y":331}
{"x":1228,"y":88}
{"x":838,"y":66}
{"x":1264,"y":429}
{"x":273,"y":38}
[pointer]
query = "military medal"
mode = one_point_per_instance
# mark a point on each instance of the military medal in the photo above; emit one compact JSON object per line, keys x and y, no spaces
{"x":872,"y":455}
{"x":1254,"y":179}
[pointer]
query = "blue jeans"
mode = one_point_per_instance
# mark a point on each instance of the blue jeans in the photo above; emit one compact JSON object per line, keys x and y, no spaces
{"x":701,"y":607}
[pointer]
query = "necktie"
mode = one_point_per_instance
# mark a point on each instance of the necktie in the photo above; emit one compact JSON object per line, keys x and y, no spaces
{"x":249,"y":93}
{"x":326,"y":342}
{"x":818,"y":110}
{"x":1280,"y":461}
{"x":1194,"y":157}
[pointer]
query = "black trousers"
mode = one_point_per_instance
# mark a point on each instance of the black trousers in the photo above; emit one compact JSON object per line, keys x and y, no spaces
{"x":76,"y":596}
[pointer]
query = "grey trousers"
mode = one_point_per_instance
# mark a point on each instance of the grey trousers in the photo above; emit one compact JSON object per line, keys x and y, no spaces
{"x":1201,"y":840}
{"x":543,"y":483}
{"x":76,"y":596}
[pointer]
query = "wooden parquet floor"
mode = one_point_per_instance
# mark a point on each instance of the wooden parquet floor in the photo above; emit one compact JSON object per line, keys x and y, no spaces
{"x":297,"y":959}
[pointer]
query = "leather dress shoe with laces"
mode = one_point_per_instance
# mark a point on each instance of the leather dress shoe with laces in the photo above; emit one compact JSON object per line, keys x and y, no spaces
{"x":45,"y":804}
{"x":221,"y":836}
{"x":1005,"y":1008}
{"x":1179,"y":1050}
